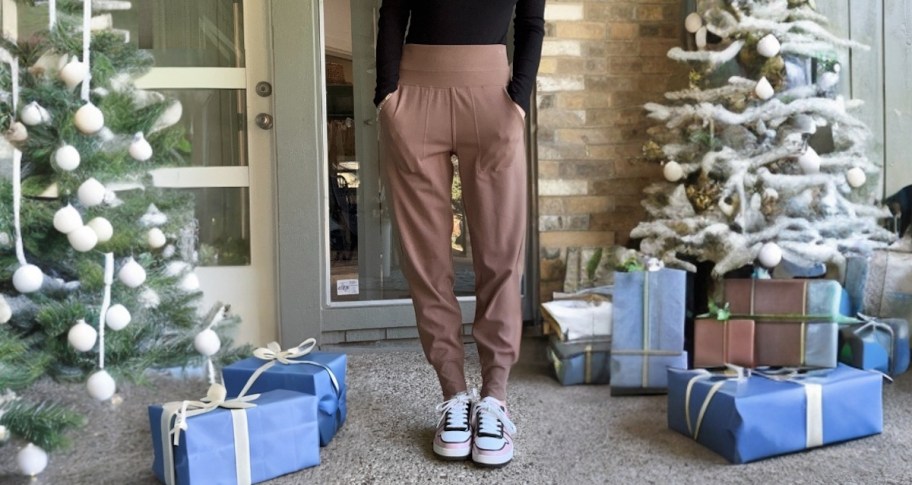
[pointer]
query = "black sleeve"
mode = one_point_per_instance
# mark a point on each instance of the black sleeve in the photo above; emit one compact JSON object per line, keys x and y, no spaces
{"x":528,"y":33}
{"x":394,"y":16}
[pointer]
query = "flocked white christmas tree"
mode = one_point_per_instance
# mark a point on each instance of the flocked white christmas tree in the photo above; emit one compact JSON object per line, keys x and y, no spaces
{"x":744,"y":182}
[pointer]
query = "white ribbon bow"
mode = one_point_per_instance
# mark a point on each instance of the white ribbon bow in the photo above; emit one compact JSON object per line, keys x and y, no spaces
{"x":182,"y":410}
{"x":215,"y":398}
{"x":273,"y":354}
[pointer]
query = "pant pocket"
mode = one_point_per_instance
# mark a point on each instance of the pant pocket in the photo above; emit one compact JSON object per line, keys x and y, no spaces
{"x":404,"y":118}
{"x":500,"y":128}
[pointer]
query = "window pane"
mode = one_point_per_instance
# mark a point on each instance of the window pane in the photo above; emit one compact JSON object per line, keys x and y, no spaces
{"x":213,"y":119}
{"x":181,"y":33}
{"x":224,"y":226}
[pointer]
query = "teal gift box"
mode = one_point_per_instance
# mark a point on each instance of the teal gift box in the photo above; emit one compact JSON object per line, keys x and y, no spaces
{"x":320,"y":374}
{"x":750,"y":418}
{"x":276,"y":435}
{"x":648,"y":330}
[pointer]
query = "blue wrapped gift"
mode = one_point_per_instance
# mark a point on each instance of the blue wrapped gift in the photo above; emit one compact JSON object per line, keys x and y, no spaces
{"x":580,"y":362}
{"x":320,"y":374}
{"x":749,"y":418}
{"x":225,"y":443}
{"x":878,"y":344}
{"x":648,"y":329}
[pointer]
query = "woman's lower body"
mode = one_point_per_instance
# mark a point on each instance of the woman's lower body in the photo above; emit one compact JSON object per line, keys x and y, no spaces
{"x":452,"y":100}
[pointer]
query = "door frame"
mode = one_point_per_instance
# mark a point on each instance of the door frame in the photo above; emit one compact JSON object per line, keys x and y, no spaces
{"x":302,"y":248}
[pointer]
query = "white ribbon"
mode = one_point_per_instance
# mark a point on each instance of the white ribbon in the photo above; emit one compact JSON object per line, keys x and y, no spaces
{"x":105,"y":303}
{"x":740,"y":373}
{"x":273,"y":353}
{"x":814,"y":415}
{"x":86,"y":43}
{"x":182,"y":410}
{"x":17,"y":203}
{"x":52,"y":14}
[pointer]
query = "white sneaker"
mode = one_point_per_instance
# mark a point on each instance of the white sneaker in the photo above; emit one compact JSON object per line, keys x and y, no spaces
{"x":492,"y":443}
{"x":453,"y":439}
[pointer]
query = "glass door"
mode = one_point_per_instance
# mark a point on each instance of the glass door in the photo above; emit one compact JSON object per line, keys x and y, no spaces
{"x":339,"y":264}
{"x":211,"y":55}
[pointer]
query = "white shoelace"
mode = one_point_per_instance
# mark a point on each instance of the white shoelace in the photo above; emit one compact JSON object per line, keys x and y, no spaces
{"x":493,"y":419}
{"x":455,"y":411}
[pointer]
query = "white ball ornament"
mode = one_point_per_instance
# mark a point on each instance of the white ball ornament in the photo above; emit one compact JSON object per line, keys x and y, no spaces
{"x":140,"y":149}
{"x":6,"y":312}
{"x":33,"y":114}
{"x":32,"y":460}
{"x":856,"y":177}
{"x":101,"y":385}
{"x":207,"y":342}
{"x":103,"y":229}
{"x":67,"y":219}
{"x":17,"y":132}
{"x":770,"y":255}
{"x":132,"y":274}
{"x":809,"y":161}
{"x":769,"y":46}
{"x":156,"y":238}
{"x":764,"y":89}
{"x":28,"y":278}
{"x":117,"y":317}
{"x":673,"y":171}
{"x":190,"y":282}
{"x":83,"y":239}
{"x":693,"y":22}
{"x":89,"y":119}
{"x":82,"y":336}
{"x":67,"y":158}
{"x":73,"y":73}
{"x":91,"y":193}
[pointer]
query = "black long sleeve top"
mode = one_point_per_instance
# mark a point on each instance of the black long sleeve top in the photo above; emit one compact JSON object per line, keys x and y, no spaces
{"x":461,"y":22}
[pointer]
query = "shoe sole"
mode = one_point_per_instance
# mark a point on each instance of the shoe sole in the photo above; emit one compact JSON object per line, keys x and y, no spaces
{"x":489,"y":462}
{"x":452,"y":455}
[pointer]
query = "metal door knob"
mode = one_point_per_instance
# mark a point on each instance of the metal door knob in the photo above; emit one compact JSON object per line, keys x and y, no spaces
{"x":264,"y":121}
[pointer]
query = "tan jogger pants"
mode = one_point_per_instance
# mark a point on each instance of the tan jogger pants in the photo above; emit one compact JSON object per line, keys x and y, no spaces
{"x":453,"y":100}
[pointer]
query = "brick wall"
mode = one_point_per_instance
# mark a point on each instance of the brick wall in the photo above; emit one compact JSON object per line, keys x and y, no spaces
{"x":601,"y":61}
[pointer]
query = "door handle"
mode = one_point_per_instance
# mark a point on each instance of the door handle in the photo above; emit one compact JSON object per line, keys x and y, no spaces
{"x":264,"y":121}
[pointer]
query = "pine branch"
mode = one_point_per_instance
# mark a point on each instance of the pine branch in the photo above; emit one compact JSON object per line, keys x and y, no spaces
{"x":44,"y":424}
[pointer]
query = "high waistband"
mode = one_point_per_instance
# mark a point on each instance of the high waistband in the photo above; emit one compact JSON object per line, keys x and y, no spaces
{"x":454,"y":65}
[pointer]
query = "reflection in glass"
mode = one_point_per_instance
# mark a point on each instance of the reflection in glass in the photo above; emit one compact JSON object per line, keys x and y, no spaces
{"x":224,"y":226}
{"x":178,"y":33}
{"x":215,"y":125}
{"x":181,"y":33}
{"x":364,"y":258}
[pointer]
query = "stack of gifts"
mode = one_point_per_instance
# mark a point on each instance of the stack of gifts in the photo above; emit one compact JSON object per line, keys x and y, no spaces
{"x":580,"y":341}
{"x":887,"y":282}
{"x":648,"y":330}
{"x":269,"y":419}
{"x":796,"y":327}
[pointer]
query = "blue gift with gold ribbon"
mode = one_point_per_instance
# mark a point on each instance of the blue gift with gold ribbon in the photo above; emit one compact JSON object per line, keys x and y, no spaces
{"x":585,"y":361}
{"x":320,"y":374}
{"x":648,"y":330}
{"x":219,"y":441}
{"x":747,"y":417}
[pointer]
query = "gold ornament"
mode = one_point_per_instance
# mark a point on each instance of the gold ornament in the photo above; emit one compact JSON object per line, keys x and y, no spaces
{"x":704,"y":193}
{"x":652,"y":151}
{"x":695,"y":79}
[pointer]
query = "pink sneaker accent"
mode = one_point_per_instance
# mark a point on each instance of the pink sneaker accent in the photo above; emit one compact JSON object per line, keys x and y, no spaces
{"x":493,"y":435}
{"x":453,"y":439}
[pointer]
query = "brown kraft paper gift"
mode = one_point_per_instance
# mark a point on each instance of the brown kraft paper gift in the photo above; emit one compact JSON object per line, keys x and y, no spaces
{"x":720,"y":342}
{"x":776,"y":343}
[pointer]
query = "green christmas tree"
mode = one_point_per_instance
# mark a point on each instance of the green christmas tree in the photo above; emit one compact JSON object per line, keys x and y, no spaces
{"x":85,"y":236}
{"x":763,"y":160}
